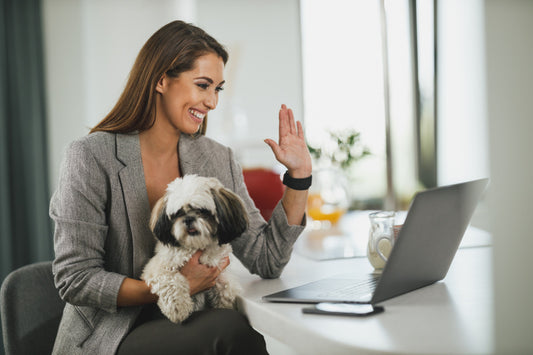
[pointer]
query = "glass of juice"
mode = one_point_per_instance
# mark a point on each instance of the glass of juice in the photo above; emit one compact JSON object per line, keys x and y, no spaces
{"x":328,"y":197}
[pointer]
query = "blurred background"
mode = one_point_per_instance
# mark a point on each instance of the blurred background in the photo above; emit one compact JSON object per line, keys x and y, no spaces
{"x":437,"y":92}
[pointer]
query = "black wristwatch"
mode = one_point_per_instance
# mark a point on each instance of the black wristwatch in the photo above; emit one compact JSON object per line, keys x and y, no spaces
{"x":297,"y":184}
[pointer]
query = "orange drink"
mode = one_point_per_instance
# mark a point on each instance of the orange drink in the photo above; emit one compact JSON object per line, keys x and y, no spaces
{"x":319,"y":210}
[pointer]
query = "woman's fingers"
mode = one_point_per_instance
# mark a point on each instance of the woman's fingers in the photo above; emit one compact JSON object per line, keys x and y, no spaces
{"x":286,"y":121}
{"x":195,"y":258}
{"x":284,"y":126}
{"x":300,"y":129}
{"x":292,"y":125}
{"x":223,"y":263}
{"x":200,"y":276}
{"x":274,"y":146}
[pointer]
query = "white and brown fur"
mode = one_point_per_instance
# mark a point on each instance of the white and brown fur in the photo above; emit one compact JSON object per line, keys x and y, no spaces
{"x":196,"y":213}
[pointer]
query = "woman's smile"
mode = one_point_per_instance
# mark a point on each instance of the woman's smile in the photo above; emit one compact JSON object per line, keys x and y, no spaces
{"x":196,"y":115}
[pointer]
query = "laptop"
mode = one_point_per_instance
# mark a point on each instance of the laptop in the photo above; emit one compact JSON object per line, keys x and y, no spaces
{"x":434,"y":226}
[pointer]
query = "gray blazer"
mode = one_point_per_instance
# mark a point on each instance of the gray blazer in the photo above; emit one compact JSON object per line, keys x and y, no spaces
{"x":101,"y":215}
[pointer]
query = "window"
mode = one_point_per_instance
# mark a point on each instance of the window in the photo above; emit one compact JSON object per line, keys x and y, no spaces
{"x":346,"y":86}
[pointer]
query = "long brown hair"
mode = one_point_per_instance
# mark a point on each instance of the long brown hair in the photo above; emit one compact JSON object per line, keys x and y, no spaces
{"x":172,"y":50}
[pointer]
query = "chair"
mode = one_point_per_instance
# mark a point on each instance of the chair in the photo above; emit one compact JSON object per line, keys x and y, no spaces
{"x":265,"y":189}
{"x":30,"y":309}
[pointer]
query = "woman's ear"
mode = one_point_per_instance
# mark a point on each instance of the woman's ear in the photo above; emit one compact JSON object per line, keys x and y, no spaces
{"x":161,"y":84}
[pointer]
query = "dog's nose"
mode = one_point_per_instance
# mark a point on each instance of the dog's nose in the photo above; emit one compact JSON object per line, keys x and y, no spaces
{"x":189,"y":220}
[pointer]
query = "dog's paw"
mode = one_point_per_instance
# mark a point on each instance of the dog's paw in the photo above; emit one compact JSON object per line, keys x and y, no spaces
{"x":175,"y":307}
{"x":174,"y":299}
{"x":175,"y":314}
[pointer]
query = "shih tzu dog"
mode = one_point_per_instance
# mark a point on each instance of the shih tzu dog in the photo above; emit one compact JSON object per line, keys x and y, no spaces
{"x":196,"y":213}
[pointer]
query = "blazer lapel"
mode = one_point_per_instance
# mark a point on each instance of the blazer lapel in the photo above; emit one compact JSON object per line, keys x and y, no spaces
{"x":192,"y":158}
{"x":135,"y":198}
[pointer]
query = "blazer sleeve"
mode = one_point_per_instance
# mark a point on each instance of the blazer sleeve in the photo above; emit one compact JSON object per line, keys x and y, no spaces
{"x":78,"y":208}
{"x":266,"y":247}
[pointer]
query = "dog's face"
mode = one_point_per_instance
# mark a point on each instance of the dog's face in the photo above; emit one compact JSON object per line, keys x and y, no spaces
{"x":196,"y":212}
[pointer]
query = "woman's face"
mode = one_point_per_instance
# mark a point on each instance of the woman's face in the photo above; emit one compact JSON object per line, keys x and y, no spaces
{"x":184,"y":101}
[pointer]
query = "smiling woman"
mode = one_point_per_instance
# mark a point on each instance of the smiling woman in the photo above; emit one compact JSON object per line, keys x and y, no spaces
{"x":112,"y":178}
{"x":185,"y":99}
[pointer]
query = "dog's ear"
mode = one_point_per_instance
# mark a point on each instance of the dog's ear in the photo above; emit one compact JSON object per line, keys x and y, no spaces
{"x":161,"y":224}
{"x":231,"y":214}
{"x":157,"y":211}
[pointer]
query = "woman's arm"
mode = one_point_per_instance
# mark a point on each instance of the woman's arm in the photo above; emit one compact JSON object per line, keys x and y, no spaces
{"x":134,"y":292}
{"x":294,"y":203}
{"x":293,"y":153}
{"x":78,"y":210}
{"x":266,"y":248}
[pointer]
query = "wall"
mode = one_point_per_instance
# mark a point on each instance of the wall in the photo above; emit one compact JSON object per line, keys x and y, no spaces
{"x":509,"y":53}
{"x":65,"y":81}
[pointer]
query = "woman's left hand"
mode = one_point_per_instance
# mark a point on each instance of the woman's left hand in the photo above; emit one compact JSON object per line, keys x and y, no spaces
{"x":291,"y":150}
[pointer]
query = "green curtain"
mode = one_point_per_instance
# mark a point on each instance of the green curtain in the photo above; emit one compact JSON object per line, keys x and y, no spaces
{"x":25,"y":228}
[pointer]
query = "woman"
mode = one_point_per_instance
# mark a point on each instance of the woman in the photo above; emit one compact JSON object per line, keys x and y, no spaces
{"x":112,"y":178}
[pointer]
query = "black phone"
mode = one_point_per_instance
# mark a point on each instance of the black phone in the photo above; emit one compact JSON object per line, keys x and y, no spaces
{"x":343,"y":309}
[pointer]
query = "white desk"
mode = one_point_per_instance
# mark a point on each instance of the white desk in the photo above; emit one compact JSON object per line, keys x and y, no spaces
{"x":450,"y":317}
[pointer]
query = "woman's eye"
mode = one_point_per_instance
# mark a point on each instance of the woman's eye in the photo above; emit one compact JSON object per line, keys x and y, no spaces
{"x":206,"y":86}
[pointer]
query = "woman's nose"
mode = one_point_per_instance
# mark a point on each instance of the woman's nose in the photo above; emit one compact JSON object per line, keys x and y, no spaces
{"x":211,"y":101}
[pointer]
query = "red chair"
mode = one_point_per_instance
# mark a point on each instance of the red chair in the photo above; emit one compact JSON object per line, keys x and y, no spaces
{"x":265,"y":188}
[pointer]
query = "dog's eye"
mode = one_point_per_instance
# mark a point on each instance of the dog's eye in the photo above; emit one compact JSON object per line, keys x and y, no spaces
{"x":204,"y":212}
{"x":180,"y":213}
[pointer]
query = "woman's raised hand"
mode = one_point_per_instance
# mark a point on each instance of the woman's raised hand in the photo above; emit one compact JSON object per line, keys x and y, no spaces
{"x":291,"y":150}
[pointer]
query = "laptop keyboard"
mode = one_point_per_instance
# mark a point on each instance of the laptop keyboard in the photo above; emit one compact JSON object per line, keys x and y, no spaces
{"x":359,"y":288}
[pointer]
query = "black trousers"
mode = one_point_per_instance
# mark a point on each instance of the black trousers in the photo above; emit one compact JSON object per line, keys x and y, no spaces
{"x":208,"y":332}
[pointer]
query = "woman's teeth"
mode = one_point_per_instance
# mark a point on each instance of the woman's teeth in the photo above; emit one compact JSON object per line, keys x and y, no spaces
{"x":197,"y":114}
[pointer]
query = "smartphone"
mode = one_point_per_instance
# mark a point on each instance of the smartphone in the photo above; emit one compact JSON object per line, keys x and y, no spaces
{"x":343,"y":309}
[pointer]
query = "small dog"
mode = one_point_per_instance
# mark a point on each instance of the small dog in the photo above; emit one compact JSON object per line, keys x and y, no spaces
{"x":196,"y":213}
